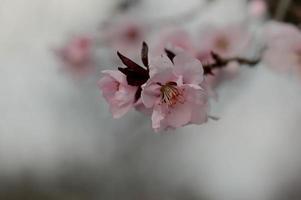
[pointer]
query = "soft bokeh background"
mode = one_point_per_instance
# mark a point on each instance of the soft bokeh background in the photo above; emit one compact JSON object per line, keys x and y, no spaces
{"x":58,"y":140}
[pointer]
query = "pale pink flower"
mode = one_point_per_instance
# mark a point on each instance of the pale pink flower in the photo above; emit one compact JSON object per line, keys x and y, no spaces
{"x":227,"y":41}
{"x":77,"y":55}
{"x":174,"y":40}
{"x":283,"y":47}
{"x":279,"y":33}
{"x":124,"y":35}
{"x":117,"y":92}
{"x":174,"y":92}
{"x":257,"y":8}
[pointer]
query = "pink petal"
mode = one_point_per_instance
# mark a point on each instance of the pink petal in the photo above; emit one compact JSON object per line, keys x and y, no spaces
{"x":236,"y":37}
{"x":159,"y":64}
{"x":175,"y":40}
{"x":274,"y":32}
{"x":108,"y":87}
{"x":117,"y":75}
{"x":119,"y":95}
{"x":198,"y":100}
{"x":157,"y":117}
{"x":125,"y":94}
{"x":258,"y":8}
{"x":189,"y":67}
{"x":118,"y":112}
{"x":164,"y":77}
{"x":280,"y":60}
{"x":179,"y":115}
{"x":150,"y":94}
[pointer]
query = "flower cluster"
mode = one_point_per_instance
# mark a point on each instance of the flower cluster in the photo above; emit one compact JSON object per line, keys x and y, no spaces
{"x":169,"y":86}
{"x":179,"y":74}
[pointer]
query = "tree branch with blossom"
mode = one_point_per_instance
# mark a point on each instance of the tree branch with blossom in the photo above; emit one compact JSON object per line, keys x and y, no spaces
{"x":219,"y":62}
{"x":172,"y":87}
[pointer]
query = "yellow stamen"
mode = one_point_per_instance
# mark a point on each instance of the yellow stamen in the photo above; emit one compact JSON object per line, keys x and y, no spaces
{"x":170,"y":94}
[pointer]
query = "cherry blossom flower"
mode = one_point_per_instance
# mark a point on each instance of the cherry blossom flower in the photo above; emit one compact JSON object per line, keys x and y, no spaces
{"x":77,"y":55}
{"x":174,"y":92}
{"x":122,"y":88}
{"x":283,"y":47}
{"x":274,"y":33}
{"x":171,"y":87}
{"x":228,"y":41}
{"x":257,"y":8}
{"x":117,"y":92}
{"x":124,"y":35}
{"x":174,"y":40}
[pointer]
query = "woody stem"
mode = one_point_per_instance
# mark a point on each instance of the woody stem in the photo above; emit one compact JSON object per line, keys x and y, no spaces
{"x":220,"y":62}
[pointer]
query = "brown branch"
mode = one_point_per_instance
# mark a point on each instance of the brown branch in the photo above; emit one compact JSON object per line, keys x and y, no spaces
{"x":220,"y":62}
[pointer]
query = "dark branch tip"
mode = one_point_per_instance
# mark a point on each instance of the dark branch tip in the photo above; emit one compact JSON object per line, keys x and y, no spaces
{"x":144,"y":54}
{"x":171,"y":55}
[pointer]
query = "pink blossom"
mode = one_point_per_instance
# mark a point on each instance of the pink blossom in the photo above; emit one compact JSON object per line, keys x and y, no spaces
{"x":124,"y":35}
{"x":117,"y":92}
{"x":77,"y":55}
{"x":228,"y":41}
{"x":257,"y":8}
{"x":278,"y":33}
{"x":176,"y":41}
{"x":174,"y":92}
{"x":283,"y":52}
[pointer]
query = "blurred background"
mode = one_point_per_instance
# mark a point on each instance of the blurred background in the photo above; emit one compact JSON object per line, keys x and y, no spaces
{"x":58,"y":140}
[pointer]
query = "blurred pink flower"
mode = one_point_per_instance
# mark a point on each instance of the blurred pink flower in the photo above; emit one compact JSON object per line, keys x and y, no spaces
{"x":175,"y":41}
{"x":125,"y":35}
{"x":174,"y":92}
{"x":117,"y":92}
{"x":283,"y":47}
{"x":275,"y":32}
{"x":228,"y":41}
{"x":257,"y":8}
{"x":77,"y":55}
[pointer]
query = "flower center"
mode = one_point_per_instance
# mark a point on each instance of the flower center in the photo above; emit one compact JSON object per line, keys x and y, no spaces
{"x":170,"y":94}
{"x":116,"y":86}
{"x":132,"y":33}
{"x":222,"y":43}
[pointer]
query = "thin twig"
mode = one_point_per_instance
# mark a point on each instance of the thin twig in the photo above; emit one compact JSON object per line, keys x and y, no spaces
{"x":220,"y":62}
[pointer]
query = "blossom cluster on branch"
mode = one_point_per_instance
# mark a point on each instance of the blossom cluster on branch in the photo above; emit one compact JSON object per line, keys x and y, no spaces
{"x":170,"y":87}
{"x":176,"y":74}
